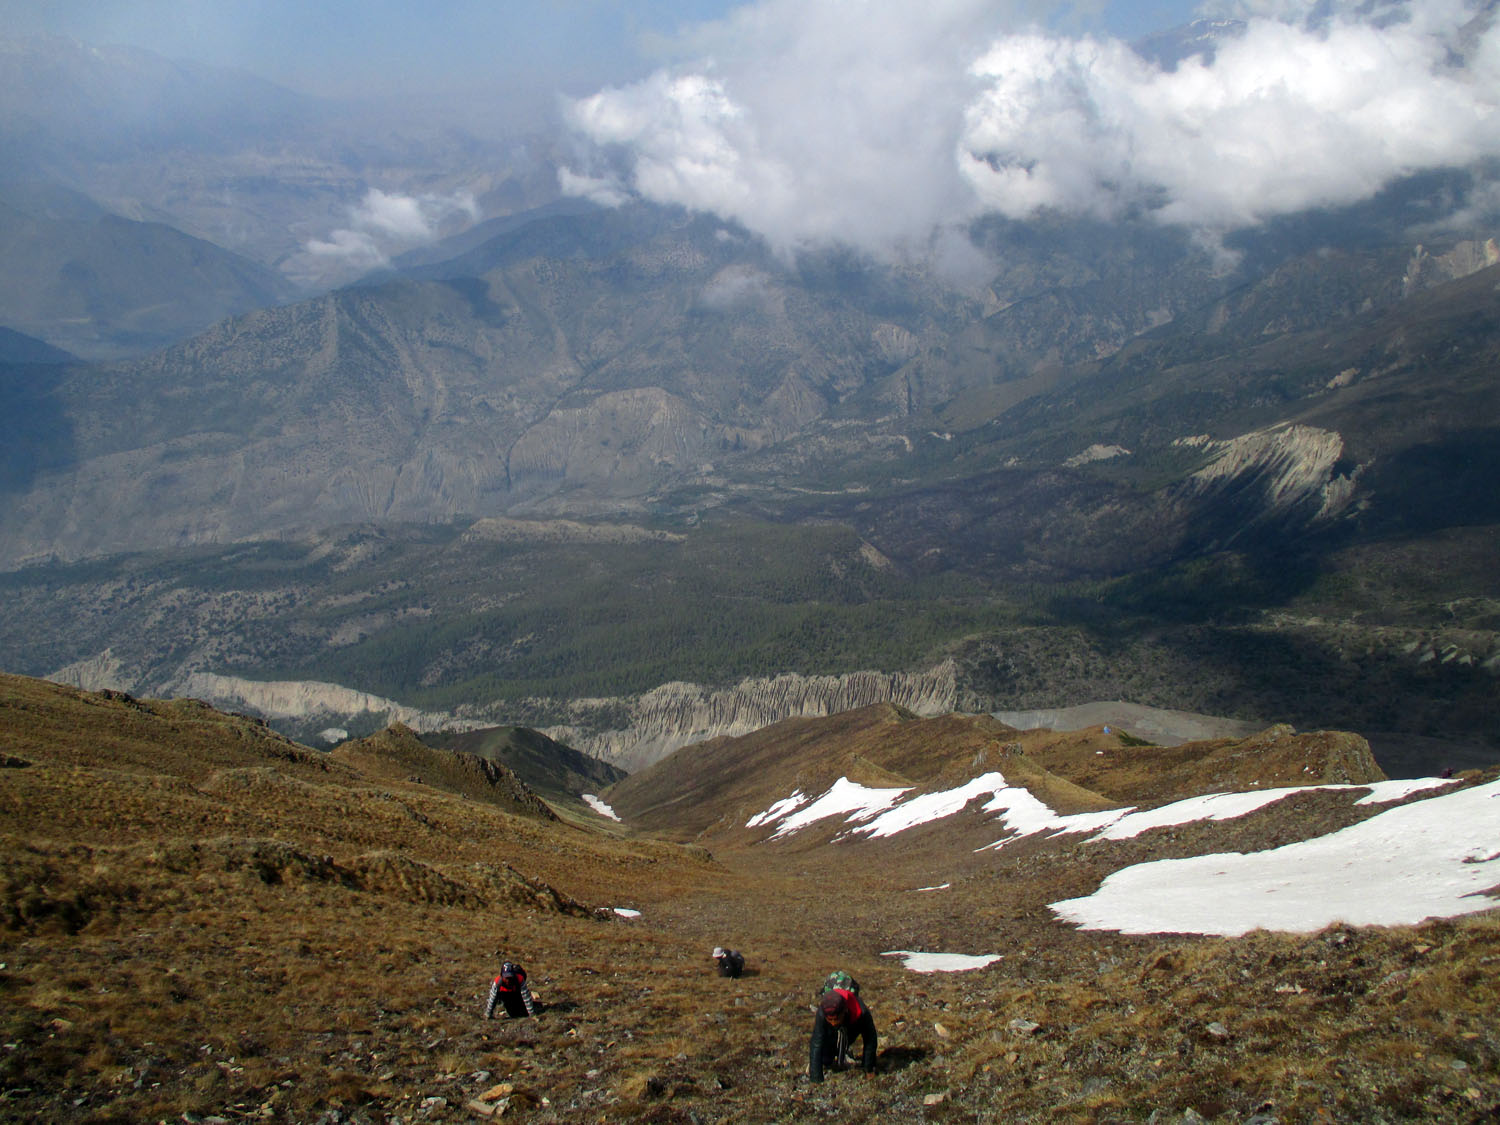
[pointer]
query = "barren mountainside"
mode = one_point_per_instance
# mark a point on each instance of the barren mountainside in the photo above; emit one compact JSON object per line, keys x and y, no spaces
{"x":166,"y":864}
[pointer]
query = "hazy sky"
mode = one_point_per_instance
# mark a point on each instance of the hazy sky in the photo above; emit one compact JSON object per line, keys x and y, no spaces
{"x":351,"y":46}
{"x":888,"y":124}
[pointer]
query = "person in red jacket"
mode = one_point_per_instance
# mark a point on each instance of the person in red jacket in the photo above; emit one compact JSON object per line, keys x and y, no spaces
{"x":840,"y":1009}
{"x":510,"y":991}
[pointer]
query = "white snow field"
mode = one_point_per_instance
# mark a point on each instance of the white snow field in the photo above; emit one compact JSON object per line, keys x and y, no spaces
{"x":780,"y":809}
{"x":847,"y":798}
{"x":599,"y":806}
{"x":1022,"y":814}
{"x":942,"y":962}
{"x":1227,"y":806}
{"x":1433,"y":858}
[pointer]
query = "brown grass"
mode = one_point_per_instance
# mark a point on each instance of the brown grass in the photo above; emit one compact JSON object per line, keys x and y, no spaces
{"x":229,"y":926}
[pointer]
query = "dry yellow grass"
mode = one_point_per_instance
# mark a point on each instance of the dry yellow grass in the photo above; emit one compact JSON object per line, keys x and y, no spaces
{"x":197,"y":918}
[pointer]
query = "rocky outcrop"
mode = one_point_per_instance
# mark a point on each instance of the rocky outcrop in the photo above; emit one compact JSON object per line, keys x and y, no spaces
{"x":656,"y":723}
{"x":1288,"y":467}
{"x":678,"y":714}
{"x":308,"y":699}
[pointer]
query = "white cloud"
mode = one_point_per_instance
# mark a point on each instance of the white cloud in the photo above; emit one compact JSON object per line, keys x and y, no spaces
{"x":381,"y":224}
{"x":602,"y":190}
{"x":881,"y":126}
{"x":737,"y":287}
{"x":345,"y":249}
{"x":807,"y":121}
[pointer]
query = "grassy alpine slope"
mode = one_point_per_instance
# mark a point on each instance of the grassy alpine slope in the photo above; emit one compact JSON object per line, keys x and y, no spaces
{"x":203,"y":920}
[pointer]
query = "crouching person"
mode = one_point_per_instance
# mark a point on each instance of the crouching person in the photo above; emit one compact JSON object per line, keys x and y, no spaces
{"x":511,"y":993}
{"x":841,"y":1016}
{"x":731,"y":962}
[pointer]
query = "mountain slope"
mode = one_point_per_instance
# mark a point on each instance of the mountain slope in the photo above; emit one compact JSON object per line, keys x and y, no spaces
{"x":202,"y":865}
{"x":397,"y":754}
{"x":707,"y":789}
{"x":558,"y":773}
{"x":1286,"y":501}
{"x":468,"y":397}
{"x":101,"y":286}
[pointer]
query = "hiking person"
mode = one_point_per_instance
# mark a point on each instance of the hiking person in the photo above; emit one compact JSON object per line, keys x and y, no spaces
{"x":731,"y":963}
{"x":840,"y":1010}
{"x":510,"y":991}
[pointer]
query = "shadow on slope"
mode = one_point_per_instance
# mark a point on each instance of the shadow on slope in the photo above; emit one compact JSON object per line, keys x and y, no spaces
{"x":557,"y":772}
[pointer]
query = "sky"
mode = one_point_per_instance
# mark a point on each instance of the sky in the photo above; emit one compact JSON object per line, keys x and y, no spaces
{"x":357,"y":46}
{"x":885,"y":125}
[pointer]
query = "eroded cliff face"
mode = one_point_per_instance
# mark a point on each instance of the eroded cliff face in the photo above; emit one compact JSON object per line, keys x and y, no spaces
{"x":679,"y":714}
{"x":655,"y":724}
{"x":1289,"y":466}
{"x":304,"y":700}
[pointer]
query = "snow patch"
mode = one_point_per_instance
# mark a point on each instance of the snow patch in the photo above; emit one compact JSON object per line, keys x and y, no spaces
{"x":1385,"y":792}
{"x":626,"y":912}
{"x":1434,"y":858}
{"x":942,"y":962}
{"x":1212,"y":806}
{"x":1023,"y":814}
{"x":599,"y":806}
{"x":932,"y":806}
{"x":846,"y":798}
{"x":781,"y":808}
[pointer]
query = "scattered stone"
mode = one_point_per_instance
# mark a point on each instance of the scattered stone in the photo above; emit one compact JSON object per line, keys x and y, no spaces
{"x":484,"y":1109}
{"x":935,"y":1099}
{"x":495,"y":1093}
{"x":1218,"y":1030}
{"x":1023,"y":1026}
{"x":943,"y":1032}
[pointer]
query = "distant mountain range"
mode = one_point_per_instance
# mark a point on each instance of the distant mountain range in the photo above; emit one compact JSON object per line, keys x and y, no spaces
{"x":575,"y":453}
{"x":220,"y":156}
{"x":592,"y":364}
